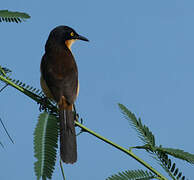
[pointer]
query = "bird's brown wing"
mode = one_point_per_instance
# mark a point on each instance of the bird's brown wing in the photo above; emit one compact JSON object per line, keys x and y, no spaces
{"x":60,"y":76}
{"x":60,"y":73}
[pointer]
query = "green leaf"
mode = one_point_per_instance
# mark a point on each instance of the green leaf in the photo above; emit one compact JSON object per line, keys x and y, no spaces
{"x":28,"y":91}
{"x":4,"y":71}
{"x":169,"y":166}
{"x":132,"y":175}
{"x":10,"y":16}
{"x":143,"y":131}
{"x":45,"y":145}
{"x":25,"y":86}
{"x":178,"y":153}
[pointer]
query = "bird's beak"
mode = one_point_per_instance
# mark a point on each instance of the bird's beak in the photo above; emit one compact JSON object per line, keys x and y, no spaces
{"x":82,"y":38}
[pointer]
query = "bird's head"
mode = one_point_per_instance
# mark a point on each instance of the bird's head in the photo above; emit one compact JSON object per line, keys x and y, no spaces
{"x":65,"y":35}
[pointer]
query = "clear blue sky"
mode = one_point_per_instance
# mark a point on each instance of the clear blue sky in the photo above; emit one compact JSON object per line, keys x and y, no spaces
{"x":141,"y":54}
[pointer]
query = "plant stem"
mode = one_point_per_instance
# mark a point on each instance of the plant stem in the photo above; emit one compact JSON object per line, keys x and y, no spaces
{"x":26,"y":92}
{"x":62,"y":171}
{"x":128,"y":152}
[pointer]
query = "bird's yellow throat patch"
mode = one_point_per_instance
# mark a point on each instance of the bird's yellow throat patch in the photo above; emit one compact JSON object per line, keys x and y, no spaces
{"x":69,"y":43}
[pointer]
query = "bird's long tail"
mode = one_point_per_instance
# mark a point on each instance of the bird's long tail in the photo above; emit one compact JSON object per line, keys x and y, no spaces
{"x":68,"y":146}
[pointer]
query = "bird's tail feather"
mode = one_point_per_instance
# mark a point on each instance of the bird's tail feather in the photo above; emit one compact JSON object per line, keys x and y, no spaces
{"x":68,"y":146}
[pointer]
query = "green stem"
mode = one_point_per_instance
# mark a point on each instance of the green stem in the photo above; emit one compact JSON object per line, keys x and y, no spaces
{"x":128,"y":152}
{"x":33,"y":96}
{"x":62,"y":171}
{"x":2,"y":71}
{"x":26,"y":92}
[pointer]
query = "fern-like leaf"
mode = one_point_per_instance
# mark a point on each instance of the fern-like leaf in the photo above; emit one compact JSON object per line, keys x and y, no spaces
{"x":169,"y":167}
{"x":38,"y":96}
{"x":132,"y":175}
{"x":45,"y":145}
{"x":143,"y":131}
{"x":6,"y":79}
{"x":4,"y":71}
{"x":177,"y":153}
{"x":33,"y":90}
{"x":10,"y":16}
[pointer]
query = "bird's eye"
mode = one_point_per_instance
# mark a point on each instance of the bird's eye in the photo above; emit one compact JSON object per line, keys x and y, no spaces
{"x":72,"y":34}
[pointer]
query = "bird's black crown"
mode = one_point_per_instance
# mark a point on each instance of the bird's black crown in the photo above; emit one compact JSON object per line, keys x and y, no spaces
{"x":63,"y":33}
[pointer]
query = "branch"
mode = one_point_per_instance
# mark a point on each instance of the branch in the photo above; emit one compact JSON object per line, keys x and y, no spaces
{"x":128,"y":152}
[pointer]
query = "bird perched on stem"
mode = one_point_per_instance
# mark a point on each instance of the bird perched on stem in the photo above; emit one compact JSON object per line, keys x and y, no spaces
{"x":59,"y":81}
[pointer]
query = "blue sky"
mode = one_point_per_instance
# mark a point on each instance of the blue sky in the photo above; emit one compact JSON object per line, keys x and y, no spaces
{"x":140,"y":54}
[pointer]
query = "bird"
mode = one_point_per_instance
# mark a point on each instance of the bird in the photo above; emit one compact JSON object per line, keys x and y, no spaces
{"x":59,"y":82}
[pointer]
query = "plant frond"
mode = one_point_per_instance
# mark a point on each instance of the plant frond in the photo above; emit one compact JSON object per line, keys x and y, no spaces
{"x":45,"y":145}
{"x":4,"y":71}
{"x":10,"y":16}
{"x":177,"y":153}
{"x":169,"y":167}
{"x":132,"y":175}
{"x":33,"y":90}
{"x":143,"y":131}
